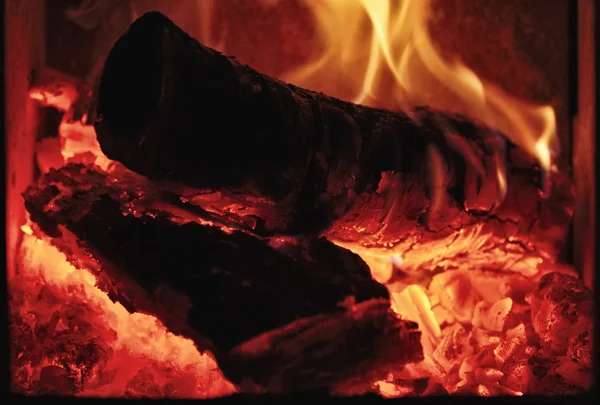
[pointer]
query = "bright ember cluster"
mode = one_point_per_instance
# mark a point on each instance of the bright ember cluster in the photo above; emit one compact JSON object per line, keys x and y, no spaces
{"x":69,"y":338}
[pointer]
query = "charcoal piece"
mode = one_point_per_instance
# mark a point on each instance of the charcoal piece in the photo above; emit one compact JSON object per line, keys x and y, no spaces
{"x":362,"y":344}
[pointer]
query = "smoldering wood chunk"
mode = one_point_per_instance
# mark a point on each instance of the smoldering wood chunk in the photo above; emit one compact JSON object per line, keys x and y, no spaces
{"x":228,"y":276}
{"x":324,"y":318}
{"x":303,"y":162}
{"x":362,"y":344}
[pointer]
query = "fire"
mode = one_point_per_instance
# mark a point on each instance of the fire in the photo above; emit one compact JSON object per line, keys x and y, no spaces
{"x":378,"y":53}
{"x":382,"y":51}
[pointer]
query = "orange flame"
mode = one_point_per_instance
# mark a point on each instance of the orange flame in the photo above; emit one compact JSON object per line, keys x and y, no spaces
{"x":367,"y":42}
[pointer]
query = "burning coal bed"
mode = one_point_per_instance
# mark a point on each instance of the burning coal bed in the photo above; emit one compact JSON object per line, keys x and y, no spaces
{"x":228,"y":232}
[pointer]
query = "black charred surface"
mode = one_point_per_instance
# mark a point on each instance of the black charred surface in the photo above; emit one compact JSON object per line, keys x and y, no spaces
{"x":354,"y":349}
{"x":237,"y":285}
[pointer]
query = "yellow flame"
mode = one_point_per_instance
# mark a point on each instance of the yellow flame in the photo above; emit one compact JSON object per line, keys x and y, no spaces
{"x":379,"y":52}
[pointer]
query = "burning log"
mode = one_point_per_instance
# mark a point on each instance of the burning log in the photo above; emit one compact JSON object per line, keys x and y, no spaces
{"x":348,"y":346}
{"x":298,"y":314}
{"x":298,"y":161}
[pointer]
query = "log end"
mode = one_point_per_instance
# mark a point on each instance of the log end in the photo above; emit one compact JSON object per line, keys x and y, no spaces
{"x":131,"y":86}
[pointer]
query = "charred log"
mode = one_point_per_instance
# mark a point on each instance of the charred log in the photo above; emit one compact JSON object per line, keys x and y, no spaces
{"x":172,"y":109}
{"x":233,"y":275}
{"x":326,"y":351}
{"x":225,"y":288}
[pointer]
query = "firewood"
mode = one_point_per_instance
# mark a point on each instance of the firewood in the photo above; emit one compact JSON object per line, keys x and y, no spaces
{"x":227,"y":274}
{"x":222,"y":286}
{"x":297,"y":161}
{"x":362,"y":344}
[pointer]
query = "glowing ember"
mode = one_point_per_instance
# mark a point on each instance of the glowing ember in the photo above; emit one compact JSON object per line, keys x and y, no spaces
{"x":70,"y":338}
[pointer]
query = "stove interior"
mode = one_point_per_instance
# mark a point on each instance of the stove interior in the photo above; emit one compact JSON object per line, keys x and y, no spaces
{"x":395,"y":220}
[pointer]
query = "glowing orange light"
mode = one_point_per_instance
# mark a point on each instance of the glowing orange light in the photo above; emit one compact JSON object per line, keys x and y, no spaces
{"x":141,"y":338}
{"x":364,"y":39}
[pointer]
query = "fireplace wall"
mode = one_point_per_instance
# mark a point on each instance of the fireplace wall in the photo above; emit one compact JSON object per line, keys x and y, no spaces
{"x":584,"y":145}
{"x":25,"y":49}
